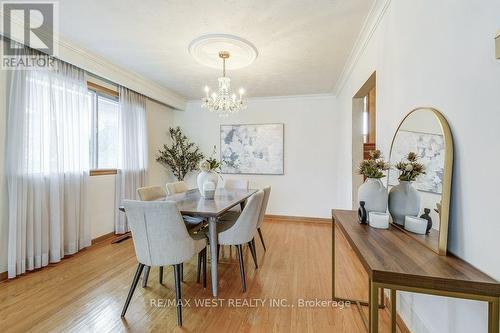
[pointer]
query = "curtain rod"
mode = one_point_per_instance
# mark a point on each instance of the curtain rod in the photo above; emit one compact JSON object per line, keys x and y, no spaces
{"x":6,"y":39}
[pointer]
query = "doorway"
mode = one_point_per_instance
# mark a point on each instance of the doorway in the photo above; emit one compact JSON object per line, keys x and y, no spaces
{"x":364,"y":130}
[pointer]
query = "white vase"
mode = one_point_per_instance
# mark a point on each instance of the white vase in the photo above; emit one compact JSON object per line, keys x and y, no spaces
{"x":374,"y":194}
{"x":204,"y":177}
{"x":404,"y":200}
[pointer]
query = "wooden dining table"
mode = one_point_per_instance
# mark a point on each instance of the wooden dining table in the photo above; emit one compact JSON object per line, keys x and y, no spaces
{"x":193,"y":204}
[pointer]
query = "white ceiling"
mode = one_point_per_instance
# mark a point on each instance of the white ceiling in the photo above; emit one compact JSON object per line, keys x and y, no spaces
{"x":302,"y":44}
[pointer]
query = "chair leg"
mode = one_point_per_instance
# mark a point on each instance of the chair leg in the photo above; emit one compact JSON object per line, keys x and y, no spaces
{"x":204,"y":267}
{"x":218,"y":251}
{"x":182,"y":272}
{"x":261,"y":238}
{"x":177,"y":278}
{"x":251,"y":245}
{"x":137,"y":276}
{"x":200,"y":258}
{"x":161,"y":274}
{"x":242,"y":267}
{"x":146,"y":276}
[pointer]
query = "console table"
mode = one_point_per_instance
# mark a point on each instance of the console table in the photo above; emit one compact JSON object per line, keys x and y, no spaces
{"x":396,"y":261}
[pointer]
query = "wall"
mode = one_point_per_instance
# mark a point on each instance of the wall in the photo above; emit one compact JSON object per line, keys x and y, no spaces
{"x":307,"y":188}
{"x":438,"y":54}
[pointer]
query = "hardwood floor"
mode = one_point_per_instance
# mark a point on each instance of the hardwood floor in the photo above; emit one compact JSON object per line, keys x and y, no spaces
{"x":85,"y":293}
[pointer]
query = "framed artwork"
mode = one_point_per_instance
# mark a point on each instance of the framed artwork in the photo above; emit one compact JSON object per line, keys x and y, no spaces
{"x":252,"y":149}
{"x":430,"y":150}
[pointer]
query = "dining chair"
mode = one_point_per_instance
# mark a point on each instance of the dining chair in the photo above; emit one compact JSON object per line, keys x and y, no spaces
{"x":176,"y":187}
{"x":267,"y":193}
{"x":150,"y":193}
{"x":235,"y":184}
{"x":160,"y":239}
{"x":242,"y":230}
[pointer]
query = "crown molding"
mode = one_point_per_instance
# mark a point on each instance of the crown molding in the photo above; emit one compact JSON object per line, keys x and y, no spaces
{"x":277,"y":98}
{"x":100,"y":66}
{"x":372,"y":21}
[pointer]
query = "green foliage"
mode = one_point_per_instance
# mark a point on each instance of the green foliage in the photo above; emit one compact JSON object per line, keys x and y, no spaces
{"x":182,"y":156}
{"x":375,"y":166}
{"x":411,"y":169}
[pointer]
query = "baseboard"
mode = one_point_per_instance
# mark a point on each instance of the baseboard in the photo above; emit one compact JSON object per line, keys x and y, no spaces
{"x":399,"y":321}
{"x":3,"y":276}
{"x":299,"y":218}
{"x":103,"y":238}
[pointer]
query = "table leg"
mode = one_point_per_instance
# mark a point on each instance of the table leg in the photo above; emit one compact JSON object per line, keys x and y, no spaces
{"x":212,"y":233}
{"x":373,"y":309}
{"x":493,"y":316}
{"x":393,"y":311}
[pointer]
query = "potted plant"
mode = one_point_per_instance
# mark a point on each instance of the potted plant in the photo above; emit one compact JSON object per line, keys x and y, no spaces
{"x":209,"y":171}
{"x":372,"y":191}
{"x":404,"y":199}
{"x":182,"y":156}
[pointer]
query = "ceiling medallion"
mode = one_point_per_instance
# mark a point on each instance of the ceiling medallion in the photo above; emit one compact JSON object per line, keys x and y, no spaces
{"x":223,"y":102}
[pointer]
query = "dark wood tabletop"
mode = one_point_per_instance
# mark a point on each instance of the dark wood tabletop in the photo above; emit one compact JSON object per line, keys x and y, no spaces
{"x":391,"y":256}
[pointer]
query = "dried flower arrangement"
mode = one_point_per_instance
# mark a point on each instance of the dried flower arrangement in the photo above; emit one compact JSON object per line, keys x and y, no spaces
{"x":410,"y":169}
{"x":182,"y":156}
{"x":375,"y":166}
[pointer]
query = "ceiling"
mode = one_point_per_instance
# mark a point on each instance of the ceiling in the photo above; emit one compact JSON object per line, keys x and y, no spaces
{"x":302,"y":44}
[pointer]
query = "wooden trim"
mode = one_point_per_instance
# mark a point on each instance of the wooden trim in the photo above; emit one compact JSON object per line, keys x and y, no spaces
{"x":102,"y":172}
{"x":101,"y":89}
{"x":103,"y":238}
{"x":3,"y":276}
{"x":399,"y":321}
{"x":299,"y":218}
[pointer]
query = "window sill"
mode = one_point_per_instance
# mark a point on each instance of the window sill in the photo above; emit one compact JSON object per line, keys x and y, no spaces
{"x":103,"y":172}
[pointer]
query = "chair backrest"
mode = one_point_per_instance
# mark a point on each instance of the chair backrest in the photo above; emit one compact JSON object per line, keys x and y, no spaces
{"x":265,"y":200}
{"x":245,"y":226}
{"x":150,"y":193}
{"x":176,"y":187}
{"x":158,"y":231}
{"x":236,"y":184}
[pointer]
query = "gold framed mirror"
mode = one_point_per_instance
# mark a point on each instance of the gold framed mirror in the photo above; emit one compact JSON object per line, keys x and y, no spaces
{"x":425,"y":132}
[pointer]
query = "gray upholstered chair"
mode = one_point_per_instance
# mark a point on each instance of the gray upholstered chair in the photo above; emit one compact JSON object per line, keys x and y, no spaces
{"x":267,"y":192}
{"x":160,"y":239}
{"x":235,"y":184}
{"x":242,"y":230}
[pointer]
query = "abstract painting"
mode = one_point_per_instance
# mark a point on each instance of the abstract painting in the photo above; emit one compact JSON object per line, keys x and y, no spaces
{"x":252,"y":149}
{"x":430,"y":150}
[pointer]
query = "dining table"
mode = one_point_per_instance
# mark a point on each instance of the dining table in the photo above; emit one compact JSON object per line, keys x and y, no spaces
{"x":192,"y":203}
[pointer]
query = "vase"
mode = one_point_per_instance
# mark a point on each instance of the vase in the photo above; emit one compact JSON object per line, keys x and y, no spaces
{"x":404,"y":200}
{"x":374,"y":194}
{"x":204,"y":177}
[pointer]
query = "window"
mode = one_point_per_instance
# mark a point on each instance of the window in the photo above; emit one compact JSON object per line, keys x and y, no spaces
{"x":104,"y":149}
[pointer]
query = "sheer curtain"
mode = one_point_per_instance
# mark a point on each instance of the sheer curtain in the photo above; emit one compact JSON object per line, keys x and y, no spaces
{"x":133,"y":151}
{"x":47,"y":163}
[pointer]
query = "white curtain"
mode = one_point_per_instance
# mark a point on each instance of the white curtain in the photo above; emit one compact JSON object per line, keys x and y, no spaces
{"x":47,"y":163}
{"x":133,"y":152}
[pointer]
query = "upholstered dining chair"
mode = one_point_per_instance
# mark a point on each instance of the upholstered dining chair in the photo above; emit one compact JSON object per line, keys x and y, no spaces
{"x":267,"y":193}
{"x":176,"y":187}
{"x":150,"y":193}
{"x":160,"y":239}
{"x":242,"y":230}
{"x":235,"y":184}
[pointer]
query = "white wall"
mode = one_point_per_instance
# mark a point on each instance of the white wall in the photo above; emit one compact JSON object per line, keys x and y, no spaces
{"x":439,"y":54}
{"x":307,"y":187}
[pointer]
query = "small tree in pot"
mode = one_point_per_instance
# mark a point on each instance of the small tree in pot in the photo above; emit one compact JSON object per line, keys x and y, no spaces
{"x":181,"y":156}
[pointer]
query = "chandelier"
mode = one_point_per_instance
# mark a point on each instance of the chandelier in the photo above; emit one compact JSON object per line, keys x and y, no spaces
{"x":223,"y":102}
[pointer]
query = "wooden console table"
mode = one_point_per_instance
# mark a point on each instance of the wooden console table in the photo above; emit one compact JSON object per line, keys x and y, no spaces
{"x":396,"y":261}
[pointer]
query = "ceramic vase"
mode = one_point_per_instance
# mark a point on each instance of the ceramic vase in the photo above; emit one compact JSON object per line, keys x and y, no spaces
{"x":404,"y":200}
{"x":204,"y":177}
{"x":374,"y":194}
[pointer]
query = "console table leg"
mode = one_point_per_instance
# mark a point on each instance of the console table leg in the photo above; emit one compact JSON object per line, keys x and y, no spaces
{"x":493,"y":316}
{"x":393,"y":311}
{"x":373,"y":307}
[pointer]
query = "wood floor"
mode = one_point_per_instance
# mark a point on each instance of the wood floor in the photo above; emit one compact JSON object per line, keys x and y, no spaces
{"x":85,"y":293}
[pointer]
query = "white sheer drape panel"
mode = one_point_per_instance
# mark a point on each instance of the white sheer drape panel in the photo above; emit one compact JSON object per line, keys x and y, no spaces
{"x":133,"y":152}
{"x":47,"y":163}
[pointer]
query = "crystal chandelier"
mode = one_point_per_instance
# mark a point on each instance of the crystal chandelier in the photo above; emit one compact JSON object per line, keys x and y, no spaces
{"x":223,"y":102}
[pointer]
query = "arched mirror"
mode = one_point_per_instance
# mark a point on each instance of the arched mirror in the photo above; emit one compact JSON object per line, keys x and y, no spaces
{"x":420,"y":183}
